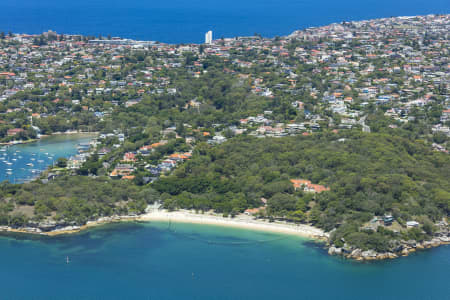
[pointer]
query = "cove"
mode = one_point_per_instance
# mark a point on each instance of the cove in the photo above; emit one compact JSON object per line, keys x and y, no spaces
{"x":192,"y":261}
{"x":23,"y":162}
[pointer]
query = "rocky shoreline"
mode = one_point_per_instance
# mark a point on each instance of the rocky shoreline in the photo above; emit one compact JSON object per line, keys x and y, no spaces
{"x":402,"y":248}
{"x":53,"y":228}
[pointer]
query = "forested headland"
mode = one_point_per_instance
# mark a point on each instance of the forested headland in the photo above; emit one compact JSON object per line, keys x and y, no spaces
{"x":368,"y":175}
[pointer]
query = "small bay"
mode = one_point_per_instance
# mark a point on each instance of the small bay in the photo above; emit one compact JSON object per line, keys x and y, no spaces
{"x":23,"y":162}
{"x":188,"y":261}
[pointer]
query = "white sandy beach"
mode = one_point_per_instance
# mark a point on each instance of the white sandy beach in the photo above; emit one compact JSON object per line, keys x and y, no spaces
{"x":187,"y":216}
{"x":241,"y":221}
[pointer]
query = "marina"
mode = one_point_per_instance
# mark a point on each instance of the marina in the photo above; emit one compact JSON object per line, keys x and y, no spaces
{"x":24,"y":162}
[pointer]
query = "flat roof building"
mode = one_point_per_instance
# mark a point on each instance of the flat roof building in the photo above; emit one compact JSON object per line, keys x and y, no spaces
{"x":208,"y":38}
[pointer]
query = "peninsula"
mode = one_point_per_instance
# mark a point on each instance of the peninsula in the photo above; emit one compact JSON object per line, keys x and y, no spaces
{"x":337,"y":132}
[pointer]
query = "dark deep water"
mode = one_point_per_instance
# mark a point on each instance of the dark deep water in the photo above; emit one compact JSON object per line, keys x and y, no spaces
{"x":148,"y":261}
{"x":180,"y":21}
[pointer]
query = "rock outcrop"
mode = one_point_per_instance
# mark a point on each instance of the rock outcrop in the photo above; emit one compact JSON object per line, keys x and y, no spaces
{"x":397,"y":248}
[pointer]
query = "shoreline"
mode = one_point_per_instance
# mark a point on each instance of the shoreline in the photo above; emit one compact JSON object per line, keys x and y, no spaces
{"x":74,"y":132}
{"x":147,"y":38}
{"x":13,"y":143}
{"x":188,"y":217}
{"x":241,"y":221}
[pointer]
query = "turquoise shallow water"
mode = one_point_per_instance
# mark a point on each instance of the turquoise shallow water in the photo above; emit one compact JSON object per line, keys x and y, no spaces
{"x":148,"y":261}
{"x":15,"y":160}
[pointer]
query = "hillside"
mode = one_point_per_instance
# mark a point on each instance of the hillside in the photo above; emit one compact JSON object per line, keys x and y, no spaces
{"x":368,"y":175}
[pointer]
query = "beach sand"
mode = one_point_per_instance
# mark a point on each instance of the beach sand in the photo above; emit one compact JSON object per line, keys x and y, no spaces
{"x":185,"y":216}
{"x":240,"y":221}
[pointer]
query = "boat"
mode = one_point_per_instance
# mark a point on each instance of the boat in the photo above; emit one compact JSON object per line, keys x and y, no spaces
{"x":8,"y":163}
{"x":29,"y":164}
{"x":67,"y":260}
{"x":9,"y":173}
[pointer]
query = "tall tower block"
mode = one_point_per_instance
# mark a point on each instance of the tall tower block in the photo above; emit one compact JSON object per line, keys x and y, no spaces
{"x":208,"y":38}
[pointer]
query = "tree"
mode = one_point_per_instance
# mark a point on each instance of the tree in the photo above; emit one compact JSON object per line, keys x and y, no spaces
{"x":428,"y":227}
{"x":18,"y":220}
{"x":61,"y":162}
{"x":297,"y":216}
{"x":180,"y":129}
{"x":280,"y":203}
{"x":439,"y":138}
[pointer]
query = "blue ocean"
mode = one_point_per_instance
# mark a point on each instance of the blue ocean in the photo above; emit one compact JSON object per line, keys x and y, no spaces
{"x":180,"y":21}
{"x":187,"y":261}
